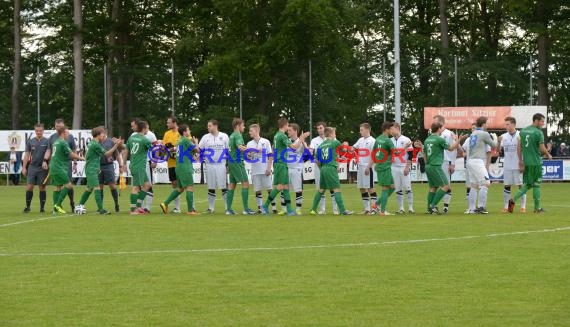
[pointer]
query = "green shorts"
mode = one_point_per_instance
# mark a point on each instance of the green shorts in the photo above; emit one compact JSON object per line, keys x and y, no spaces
{"x":59,"y":178}
{"x":92,"y":179}
{"x":436,"y":177}
{"x":532,"y":175}
{"x":385,"y":177}
{"x":280,"y":174}
{"x":139,"y":177}
{"x":184,"y":180}
{"x":237,"y":173}
{"x":329,"y":178}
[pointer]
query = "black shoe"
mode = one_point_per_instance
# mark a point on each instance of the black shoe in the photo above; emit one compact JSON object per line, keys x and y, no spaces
{"x":274,"y":212}
{"x":26,"y":209}
{"x":117,"y":208}
{"x":540,"y":210}
{"x":146,"y":210}
{"x":42,"y":210}
{"x":72,"y":207}
{"x":482,"y":211}
{"x":104,"y":212}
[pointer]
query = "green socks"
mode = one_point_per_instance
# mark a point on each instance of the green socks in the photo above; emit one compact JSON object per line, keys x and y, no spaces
{"x":55,"y":197}
{"x":85,"y":196}
{"x":272,"y":196}
{"x":522,"y":191}
{"x":438,"y":196}
{"x":190,"y":200}
{"x":173,"y":195}
{"x":384,"y":198}
{"x":536,"y":196}
{"x":230,"y":199}
{"x":431,"y":196}
{"x":99,"y":200}
{"x":287,"y":198}
{"x":244,"y":197}
{"x":133,"y":200}
{"x":339,"y":202}
{"x":62,"y":195}
{"x":316,"y":200}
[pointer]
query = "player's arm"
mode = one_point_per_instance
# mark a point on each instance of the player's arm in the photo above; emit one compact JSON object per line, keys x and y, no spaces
{"x":299,"y":142}
{"x":116,"y":144}
{"x":519,"y":155}
{"x":544,"y":151}
{"x":488,"y":158}
{"x":457,"y":142}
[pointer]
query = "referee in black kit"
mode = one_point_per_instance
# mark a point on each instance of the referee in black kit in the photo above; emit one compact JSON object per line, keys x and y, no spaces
{"x":107,"y":174}
{"x":35,"y":166}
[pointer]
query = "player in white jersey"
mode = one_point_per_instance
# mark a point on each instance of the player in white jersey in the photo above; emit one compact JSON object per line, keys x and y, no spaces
{"x":449,"y":158}
{"x":295,"y":167}
{"x":364,"y":174}
{"x":147,"y":202}
{"x":261,"y":159}
{"x":401,"y":166}
{"x":465,"y":148}
{"x":214,"y":151}
{"x":315,"y":143}
{"x":477,"y":166}
{"x":513,"y":164}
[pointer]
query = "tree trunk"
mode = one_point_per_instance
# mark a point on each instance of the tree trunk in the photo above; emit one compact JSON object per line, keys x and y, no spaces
{"x":544,"y":13}
{"x":17,"y":66}
{"x":110,"y":63}
{"x":444,"y":31}
{"x":78,"y":65}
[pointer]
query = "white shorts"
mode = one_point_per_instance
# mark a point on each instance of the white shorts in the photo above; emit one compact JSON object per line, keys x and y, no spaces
{"x":215,"y":176}
{"x":149,"y":173}
{"x":445,"y":167}
{"x":401,"y":182}
{"x":478,"y":173}
{"x":512,"y":177}
{"x":363,"y":180}
{"x":467,"y":181}
{"x":296,"y":179}
{"x":261,"y":182}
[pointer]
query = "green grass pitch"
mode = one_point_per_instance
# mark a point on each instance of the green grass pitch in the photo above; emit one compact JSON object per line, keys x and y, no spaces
{"x":217,"y":270}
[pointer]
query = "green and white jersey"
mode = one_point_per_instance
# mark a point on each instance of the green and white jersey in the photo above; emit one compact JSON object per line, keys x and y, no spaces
{"x":434,"y":148}
{"x":384,"y":156}
{"x":326,"y":153}
{"x":183,"y":164}
{"x":60,"y":151}
{"x":531,"y":139}
{"x":280,"y":143}
{"x":93,"y":157}
{"x":236,"y":139}
{"x":138,"y":146}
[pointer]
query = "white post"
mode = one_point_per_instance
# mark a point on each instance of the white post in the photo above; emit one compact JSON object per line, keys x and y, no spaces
{"x":172,"y":85}
{"x":310,"y":97}
{"x":397,"y":111}
{"x":105,"y":92}
{"x":530,"y":78}
{"x":240,"y":83}
{"x":384,"y":87}
{"x":456,"y":81}
{"x":38,"y":82}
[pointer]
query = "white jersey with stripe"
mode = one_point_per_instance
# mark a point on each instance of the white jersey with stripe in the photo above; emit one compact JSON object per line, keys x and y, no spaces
{"x":402,"y":143}
{"x":448,"y":136}
{"x":368,"y":144}
{"x":260,"y":165}
{"x":510,"y":143}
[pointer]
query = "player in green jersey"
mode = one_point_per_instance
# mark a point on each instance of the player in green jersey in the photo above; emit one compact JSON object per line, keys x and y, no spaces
{"x":93,"y":165}
{"x":237,"y":169}
{"x":59,"y":168}
{"x":532,"y":146}
{"x":382,"y":158}
{"x":326,"y":159}
{"x":138,"y":146}
{"x":185,"y":149}
{"x":433,"y":149}
{"x":280,"y":172}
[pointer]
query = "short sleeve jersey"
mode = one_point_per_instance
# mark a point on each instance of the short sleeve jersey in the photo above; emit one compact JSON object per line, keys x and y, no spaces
{"x":37,"y":149}
{"x":295,"y":157}
{"x":383,"y":152}
{"x":184,"y":164}
{"x":365,"y":143}
{"x":236,"y":139}
{"x":138,"y":147}
{"x":280,"y":143}
{"x":326,"y":153}
{"x":170,"y":137}
{"x":402,"y":143}
{"x":214,"y":148}
{"x":531,"y":139}
{"x":448,"y":136}
{"x":93,"y":157}
{"x":259,"y":161}
{"x":510,"y":143}
{"x":60,"y":157}
{"x":107,"y":144}
{"x":434,"y":148}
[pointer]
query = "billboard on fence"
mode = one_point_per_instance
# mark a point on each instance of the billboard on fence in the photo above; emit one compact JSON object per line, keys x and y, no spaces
{"x":463,"y":117}
{"x":19,"y":138}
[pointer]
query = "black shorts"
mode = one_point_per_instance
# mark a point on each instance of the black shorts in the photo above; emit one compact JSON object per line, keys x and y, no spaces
{"x":36,"y":175}
{"x":172,"y":174}
{"x":107,"y":175}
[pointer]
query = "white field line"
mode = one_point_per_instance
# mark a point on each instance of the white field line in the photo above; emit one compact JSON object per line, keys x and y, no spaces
{"x":284,"y":248}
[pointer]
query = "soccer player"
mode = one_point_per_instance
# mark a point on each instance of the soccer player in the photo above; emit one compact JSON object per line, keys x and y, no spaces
{"x":213,"y":150}
{"x":382,"y":157}
{"x":169,"y":140}
{"x":449,"y":158}
{"x":59,"y":168}
{"x":365,"y":174}
{"x":261,"y":158}
{"x":401,"y":166}
{"x":95,"y":152}
{"x":150,"y":165}
{"x":237,"y":169}
{"x":281,"y":144}
{"x":107,"y":172}
{"x":35,"y":166}
{"x":532,"y":145}
{"x":295,"y":169}
{"x":326,"y":157}
{"x":513,"y":164}
{"x":433,"y":149}
{"x":73,"y":146}
{"x":138,"y":146}
{"x":479,"y":143}
{"x":184,"y":170}
{"x":315,"y":143}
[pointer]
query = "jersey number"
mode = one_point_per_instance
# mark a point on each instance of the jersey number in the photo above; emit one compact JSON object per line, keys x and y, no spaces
{"x":429,"y":150}
{"x":135,"y":148}
{"x":526,"y":141}
{"x":325,"y":154}
{"x":53,"y":153}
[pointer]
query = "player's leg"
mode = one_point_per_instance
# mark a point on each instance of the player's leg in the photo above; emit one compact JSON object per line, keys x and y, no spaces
{"x":484,"y":183}
{"x":31,"y":179}
{"x":322,"y":203}
{"x":361,"y":183}
{"x":518,"y":182}
{"x":211,"y":185}
{"x":371,"y":190}
{"x":231,"y":187}
{"x":508,"y":181}
{"x":447,"y":197}
{"x":296,"y":185}
{"x":387,"y":181}
{"x":397,"y":175}
{"x":173,"y":183}
{"x":70,"y":191}
{"x":407,"y":188}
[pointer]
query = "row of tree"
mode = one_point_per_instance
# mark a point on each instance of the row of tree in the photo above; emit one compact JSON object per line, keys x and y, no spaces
{"x":270,"y":43}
